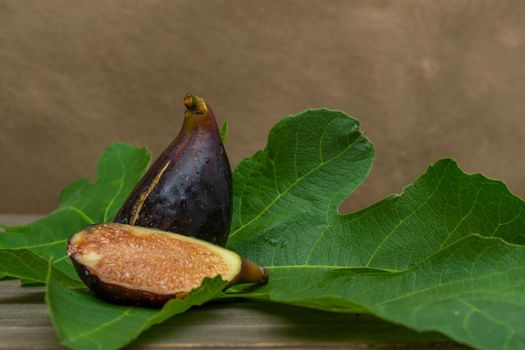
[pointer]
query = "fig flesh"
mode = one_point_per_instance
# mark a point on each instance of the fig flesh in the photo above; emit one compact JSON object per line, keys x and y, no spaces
{"x":141,"y":266}
{"x":188,"y":189}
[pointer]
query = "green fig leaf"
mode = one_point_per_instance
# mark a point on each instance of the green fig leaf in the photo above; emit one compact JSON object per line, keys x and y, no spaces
{"x":81,"y":204}
{"x":225,"y":129}
{"x":445,"y":255}
{"x":84,"y":322}
{"x":23,"y":264}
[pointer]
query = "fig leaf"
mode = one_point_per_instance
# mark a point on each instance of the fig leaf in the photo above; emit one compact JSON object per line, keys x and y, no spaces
{"x":84,"y":322}
{"x":23,"y":264}
{"x":446,"y":255}
{"x":225,"y":129}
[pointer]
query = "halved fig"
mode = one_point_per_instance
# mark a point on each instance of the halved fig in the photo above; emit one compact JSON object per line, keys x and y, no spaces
{"x":137,"y":265}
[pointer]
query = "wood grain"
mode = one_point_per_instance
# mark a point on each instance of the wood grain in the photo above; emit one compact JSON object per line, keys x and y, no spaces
{"x":25,"y":324}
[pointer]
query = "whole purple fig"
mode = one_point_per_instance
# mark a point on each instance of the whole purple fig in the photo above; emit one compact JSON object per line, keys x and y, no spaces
{"x":188,"y":189}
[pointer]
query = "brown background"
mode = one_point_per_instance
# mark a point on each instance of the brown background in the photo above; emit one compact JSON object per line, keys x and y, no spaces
{"x":427,"y":79}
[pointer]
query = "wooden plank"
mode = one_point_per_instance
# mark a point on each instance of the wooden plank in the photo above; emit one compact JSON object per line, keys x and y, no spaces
{"x":25,"y":324}
{"x":24,"y":320}
{"x":268,"y":325}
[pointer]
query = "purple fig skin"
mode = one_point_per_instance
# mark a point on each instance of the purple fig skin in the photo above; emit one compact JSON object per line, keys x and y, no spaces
{"x":188,"y":189}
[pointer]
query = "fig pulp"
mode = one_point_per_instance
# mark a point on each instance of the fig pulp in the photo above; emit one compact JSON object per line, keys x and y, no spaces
{"x":135,"y":265}
{"x":188,"y":189}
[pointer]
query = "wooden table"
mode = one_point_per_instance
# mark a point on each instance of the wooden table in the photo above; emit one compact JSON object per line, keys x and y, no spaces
{"x":25,"y":324}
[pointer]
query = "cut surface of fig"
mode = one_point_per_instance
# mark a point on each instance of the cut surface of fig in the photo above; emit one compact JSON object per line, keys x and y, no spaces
{"x":143,"y":266}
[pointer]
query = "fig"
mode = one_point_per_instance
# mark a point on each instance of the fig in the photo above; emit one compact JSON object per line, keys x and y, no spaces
{"x":188,"y":189}
{"x":141,"y":266}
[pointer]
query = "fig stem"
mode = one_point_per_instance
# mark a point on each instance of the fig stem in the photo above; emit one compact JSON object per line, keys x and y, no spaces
{"x":189,"y":101}
{"x":252,"y":273}
{"x":195,"y":104}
